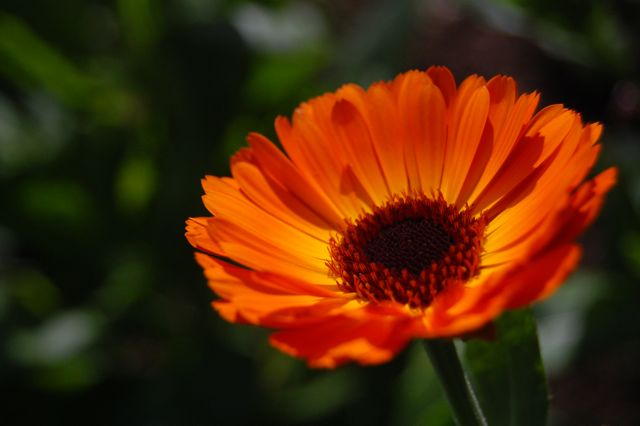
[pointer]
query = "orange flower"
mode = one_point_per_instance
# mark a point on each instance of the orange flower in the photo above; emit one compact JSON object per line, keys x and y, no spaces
{"x":412,"y":209}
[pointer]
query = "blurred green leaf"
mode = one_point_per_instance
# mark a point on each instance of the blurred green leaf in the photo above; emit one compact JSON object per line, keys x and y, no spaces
{"x":5,"y":301}
{"x":139,"y":18}
{"x":295,"y":26}
{"x":561,"y":319}
{"x":278,"y":370}
{"x":35,"y":292}
{"x":135,"y":183}
{"x":277,"y":77}
{"x":74,"y":374}
{"x":318,"y":397}
{"x":30,"y":61}
{"x":57,"y":203}
{"x":418,"y":398}
{"x":127,"y":282}
{"x":59,"y":338}
{"x":630,"y":250}
{"x":31,"y":132}
{"x":26,"y":58}
{"x":606,"y":37}
{"x":508,"y":373}
{"x":590,"y":35}
{"x":378,"y":39}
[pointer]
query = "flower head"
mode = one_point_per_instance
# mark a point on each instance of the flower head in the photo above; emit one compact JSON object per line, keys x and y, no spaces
{"x":412,"y":209}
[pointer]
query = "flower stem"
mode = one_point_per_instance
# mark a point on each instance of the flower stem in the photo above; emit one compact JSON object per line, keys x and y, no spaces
{"x":463,"y":402}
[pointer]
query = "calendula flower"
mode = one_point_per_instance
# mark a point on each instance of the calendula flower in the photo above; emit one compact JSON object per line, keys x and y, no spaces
{"x":412,"y":209}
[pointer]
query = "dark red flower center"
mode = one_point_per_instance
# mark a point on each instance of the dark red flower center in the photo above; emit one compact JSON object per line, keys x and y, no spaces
{"x":407,"y":250}
{"x":411,"y":244}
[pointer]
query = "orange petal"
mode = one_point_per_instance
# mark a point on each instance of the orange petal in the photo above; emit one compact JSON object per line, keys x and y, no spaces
{"x":198,"y":235}
{"x":442,"y":77}
{"x":354,"y":141}
{"x":502,"y":92}
{"x":540,"y":278}
{"x":572,"y":216}
{"x":275,"y":201}
{"x":233,"y":211}
{"x":371,"y":340}
{"x":261,"y":254}
{"x":308,"y":148}
{"x":378,"y":109}
{"x":465,"y":131}
{"x":549,"y":129}
{"x":585,"y":204}
{"x":506,"y":131}
{"x":587,"y":152}
{"x":422,"y":111}
{"x":286,"y":192}
{"x":528,"y":208}
{"x":473,"y":307}
{"x":268,"y":299}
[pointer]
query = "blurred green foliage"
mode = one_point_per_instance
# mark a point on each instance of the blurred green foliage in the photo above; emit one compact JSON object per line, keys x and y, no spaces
{"x":112,"y":111}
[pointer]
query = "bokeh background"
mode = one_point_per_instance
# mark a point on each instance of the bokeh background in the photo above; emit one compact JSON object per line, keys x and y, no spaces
{"x":111,"y":112}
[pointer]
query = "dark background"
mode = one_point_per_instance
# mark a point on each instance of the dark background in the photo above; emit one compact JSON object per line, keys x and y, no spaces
{"x":111,"y":112}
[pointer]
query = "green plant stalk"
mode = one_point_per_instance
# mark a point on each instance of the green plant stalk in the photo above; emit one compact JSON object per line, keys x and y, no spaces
{"x":462,"y":400}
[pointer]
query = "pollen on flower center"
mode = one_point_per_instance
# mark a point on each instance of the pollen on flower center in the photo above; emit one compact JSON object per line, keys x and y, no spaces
{"x":407,"y":250}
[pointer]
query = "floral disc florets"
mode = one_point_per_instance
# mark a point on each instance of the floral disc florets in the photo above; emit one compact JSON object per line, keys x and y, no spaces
{"x":407,"y":250}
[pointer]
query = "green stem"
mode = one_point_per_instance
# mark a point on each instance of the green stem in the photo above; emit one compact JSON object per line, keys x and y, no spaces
{"x":463,"y":402}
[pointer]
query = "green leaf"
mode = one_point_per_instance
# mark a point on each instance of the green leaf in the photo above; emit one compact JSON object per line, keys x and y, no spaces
{"x":30,"y":60}
{"x":455,"y":383}
{"x":508,"y":373}
{"x":140,"y":22}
